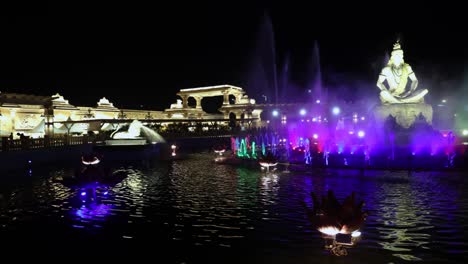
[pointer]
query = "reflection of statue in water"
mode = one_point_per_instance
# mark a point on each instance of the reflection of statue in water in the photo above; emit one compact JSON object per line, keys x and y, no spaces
{"x":396,"y":73}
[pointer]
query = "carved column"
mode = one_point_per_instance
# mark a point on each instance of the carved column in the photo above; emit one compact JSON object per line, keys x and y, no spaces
{"x":184,"y":101}
{"x":198,"y":100}
{"x":226,"y":98}
{"x":13,"y":125}
{"x":48,"y":120}
{"x":226,"y":114}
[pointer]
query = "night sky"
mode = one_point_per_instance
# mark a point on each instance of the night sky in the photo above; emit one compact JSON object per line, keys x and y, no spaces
{"x":139,"y":54}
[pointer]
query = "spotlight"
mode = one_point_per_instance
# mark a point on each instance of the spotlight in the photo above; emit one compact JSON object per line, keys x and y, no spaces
{"x":361,"y":134}
{"x":336,"y":110}
{"x":317,"y":101}
{"x":315,"y":136}
{"x":275,"y":113}
{"x":303,"y":112}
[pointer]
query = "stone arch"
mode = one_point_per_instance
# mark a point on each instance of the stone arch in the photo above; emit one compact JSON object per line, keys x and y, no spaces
{"x":232,"y":115}
{"x":232,"y":99}
{"x":232,"y":119}
{"x":191,"y":102}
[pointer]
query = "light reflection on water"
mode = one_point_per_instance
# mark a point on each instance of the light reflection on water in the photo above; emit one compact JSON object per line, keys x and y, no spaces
{"x":195,"y":203}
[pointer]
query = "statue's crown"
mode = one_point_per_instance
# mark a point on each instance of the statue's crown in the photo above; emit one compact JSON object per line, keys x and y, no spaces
{"x":397,"y":48}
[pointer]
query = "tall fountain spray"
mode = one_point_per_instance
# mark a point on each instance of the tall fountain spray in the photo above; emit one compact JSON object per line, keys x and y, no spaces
{"x":263,"y":69}
{"x":284,"y":78}
{"x":315,"y":82}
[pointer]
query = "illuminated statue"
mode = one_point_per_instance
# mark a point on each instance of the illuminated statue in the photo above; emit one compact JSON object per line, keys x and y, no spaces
{"x":132,"y":133}
{"x":396,"y":73}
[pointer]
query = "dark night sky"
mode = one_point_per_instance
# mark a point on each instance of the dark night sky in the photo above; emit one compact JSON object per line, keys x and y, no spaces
{"x":137,"y":52}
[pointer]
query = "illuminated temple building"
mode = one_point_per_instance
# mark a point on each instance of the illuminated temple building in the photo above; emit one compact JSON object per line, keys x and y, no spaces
{"x":37,"y":116}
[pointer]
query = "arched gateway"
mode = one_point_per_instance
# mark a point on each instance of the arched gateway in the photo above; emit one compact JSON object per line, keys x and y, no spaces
{"x":243,"y":105}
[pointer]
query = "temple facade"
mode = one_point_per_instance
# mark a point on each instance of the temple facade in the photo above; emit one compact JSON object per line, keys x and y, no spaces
{"x":36,"y":116}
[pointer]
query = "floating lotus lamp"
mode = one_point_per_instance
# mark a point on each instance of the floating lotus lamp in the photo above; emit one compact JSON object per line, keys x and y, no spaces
{"x":268,"y":164}
{"x":219,"y":150}
{"x":94,"y":161}
{"x":338,"y":222}
{"x":173,"y":147}
{"x":268,"y":161}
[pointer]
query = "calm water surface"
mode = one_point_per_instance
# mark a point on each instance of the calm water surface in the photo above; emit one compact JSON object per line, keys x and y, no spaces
{"x":194,"y":210}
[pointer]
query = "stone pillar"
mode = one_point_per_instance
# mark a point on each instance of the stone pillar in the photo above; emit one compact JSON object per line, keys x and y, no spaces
{"x":13,"y":117}
{"x":48,"y":121}
{"x":198,"y":100}
{"x":184,"y":101}
{"x":226,"y":98}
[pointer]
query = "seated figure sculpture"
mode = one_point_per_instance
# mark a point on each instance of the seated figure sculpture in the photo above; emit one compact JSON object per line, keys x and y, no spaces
{"x":397,"y":73}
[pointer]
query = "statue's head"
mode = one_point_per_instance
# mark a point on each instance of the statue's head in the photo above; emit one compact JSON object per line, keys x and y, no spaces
{"x":397,"y":55}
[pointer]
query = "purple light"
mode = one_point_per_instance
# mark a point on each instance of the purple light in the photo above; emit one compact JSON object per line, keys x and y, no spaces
{"x":29,"y":161}
{"x":315,"y":136}
{"x":336,"y":110}
{"x":303,"y":112}
{"x":275,"y":113}
{"x":105,"y":193}
{"x":361,"y":134}
{"x":83,"y":193}
{"x":317,"y":101}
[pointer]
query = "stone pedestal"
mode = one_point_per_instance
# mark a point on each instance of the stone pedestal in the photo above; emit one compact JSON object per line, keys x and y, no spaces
{"x":405,"y":114}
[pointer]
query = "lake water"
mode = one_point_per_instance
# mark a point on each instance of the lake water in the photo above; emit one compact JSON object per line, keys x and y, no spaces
{"x":195,"y":210}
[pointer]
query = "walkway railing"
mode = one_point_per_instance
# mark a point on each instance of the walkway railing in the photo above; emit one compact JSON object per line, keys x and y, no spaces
{"x":26,"y":143}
